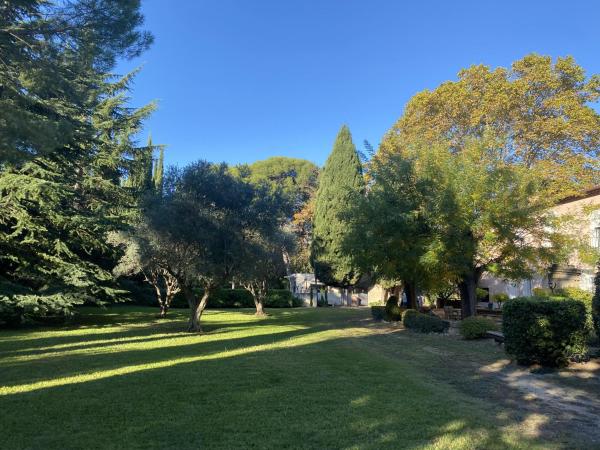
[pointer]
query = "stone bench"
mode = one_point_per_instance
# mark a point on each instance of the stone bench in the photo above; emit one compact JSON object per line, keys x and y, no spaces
{"x":496,"y":335}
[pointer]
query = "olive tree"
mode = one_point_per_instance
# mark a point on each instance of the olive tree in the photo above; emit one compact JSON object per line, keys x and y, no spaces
{"x":261,"y":264}
{"x":208,"y":220}
{"x":144,"y":253}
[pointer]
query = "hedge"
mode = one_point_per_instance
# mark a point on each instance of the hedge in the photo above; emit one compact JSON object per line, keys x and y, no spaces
{"x":476,"y":327}
{"x":281,"y":298}
{"x":545,"y":331}
{"x":424,"y":323}
{"x":241,"y":298}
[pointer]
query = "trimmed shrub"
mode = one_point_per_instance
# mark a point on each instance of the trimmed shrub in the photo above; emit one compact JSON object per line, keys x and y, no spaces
{"x":476,"y":327}
{"x":424,"y":323}
{"x":572,"y":293}
{"x":393,"y":312}
{"x":378,"y":312}
{"x":544,"y":331}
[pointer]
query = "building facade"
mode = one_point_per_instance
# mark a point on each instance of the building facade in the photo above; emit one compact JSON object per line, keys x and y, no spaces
{"x":584,"y":225}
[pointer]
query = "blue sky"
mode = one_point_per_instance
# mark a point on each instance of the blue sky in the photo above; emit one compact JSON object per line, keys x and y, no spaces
{"x":242,"y":80}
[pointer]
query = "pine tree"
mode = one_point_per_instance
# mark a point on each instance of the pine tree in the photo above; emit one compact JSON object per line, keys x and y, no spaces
{"x":339,"y":183}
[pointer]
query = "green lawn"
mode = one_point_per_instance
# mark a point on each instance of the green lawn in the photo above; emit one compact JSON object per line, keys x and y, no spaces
{"x":302,"y":378}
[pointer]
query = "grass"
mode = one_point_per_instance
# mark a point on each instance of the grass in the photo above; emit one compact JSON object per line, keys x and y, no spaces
{"x":302,"y":378}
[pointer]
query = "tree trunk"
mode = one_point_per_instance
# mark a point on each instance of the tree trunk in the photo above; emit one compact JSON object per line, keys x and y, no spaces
{"x":260,"y":307}
{"x":468,"y":292}
{"x":286,"y":262}
{"x":159,"y":296}
{"x":410,"y":289}
{"x":163,"y":310}
{"x":171,"y":288}
{"x":197,"y":306}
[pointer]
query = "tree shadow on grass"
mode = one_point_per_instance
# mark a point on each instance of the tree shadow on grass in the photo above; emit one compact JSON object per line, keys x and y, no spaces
{"x":137,"y":351}
{"x":285,"y":390}
{"x":99,"y":324}
{"x":325,"y":394}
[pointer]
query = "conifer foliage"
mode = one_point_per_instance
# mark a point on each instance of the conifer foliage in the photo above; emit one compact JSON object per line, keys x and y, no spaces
{"x":339,"y":183}
{"x":66,"y":144}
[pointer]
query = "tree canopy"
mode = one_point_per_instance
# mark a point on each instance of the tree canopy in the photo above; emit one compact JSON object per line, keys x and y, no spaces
{"x":296,"y":180}
{"x":539,"y":110}
{"x":495,"y":150}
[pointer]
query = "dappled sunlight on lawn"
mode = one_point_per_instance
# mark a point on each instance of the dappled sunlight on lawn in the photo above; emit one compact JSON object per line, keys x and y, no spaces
{"x":287,"y":343}
{"x":531,"y":426}
{"x":325,"y":378}
{"x":159,"y":340}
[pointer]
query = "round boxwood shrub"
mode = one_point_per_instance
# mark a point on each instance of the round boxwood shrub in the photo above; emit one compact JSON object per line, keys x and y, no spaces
{"x":393,"y":312}
{"x":476,"y":327}
{"x":545,"y":331}
{"x":424,"y":323}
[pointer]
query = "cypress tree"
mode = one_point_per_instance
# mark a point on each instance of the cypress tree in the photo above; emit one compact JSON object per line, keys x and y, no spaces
{"x":340,"y":182}
{"x":141,"y":177}
{"x":157,"y":176}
